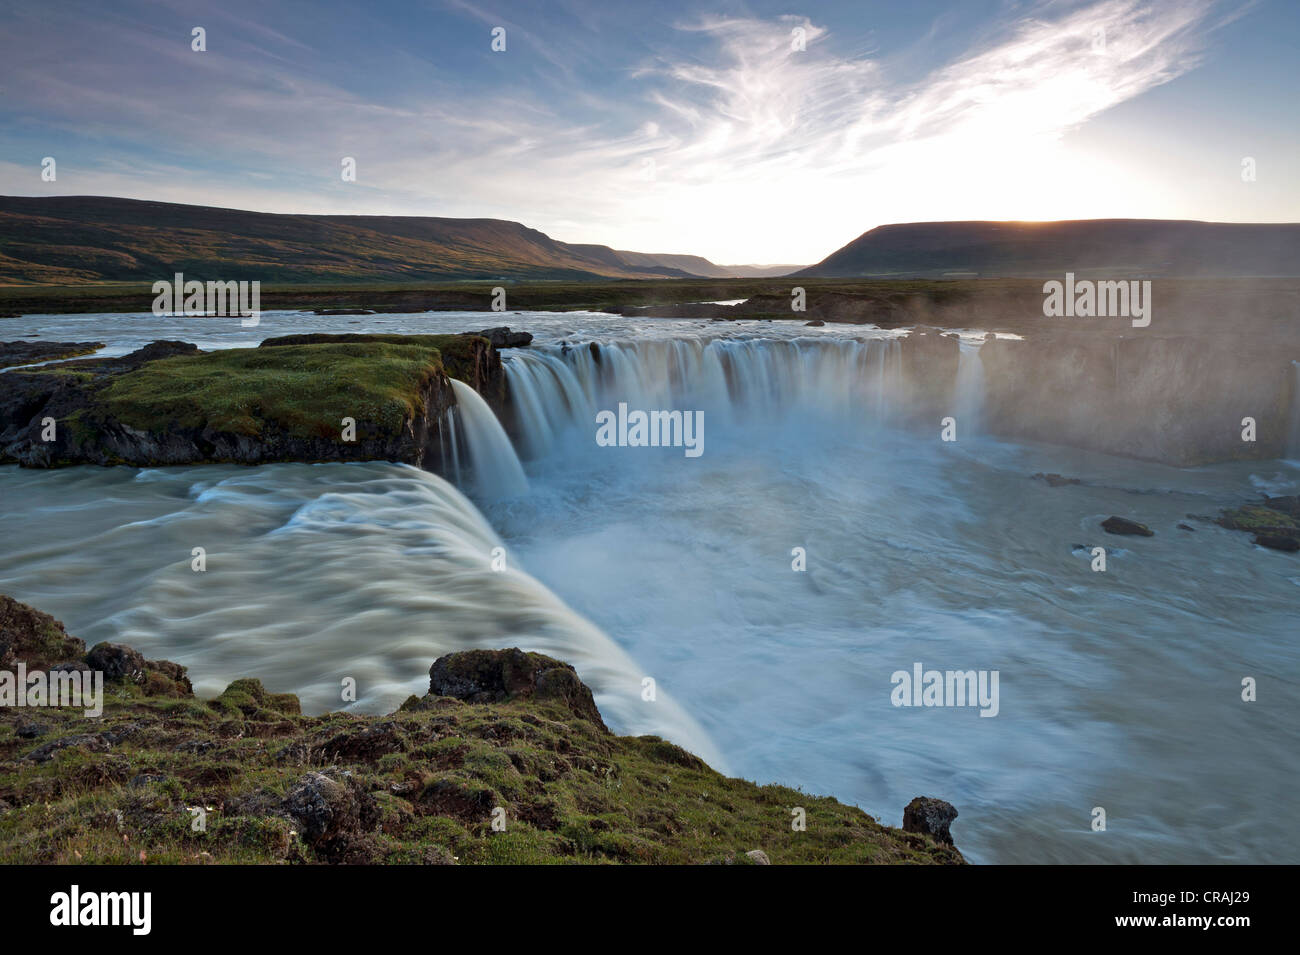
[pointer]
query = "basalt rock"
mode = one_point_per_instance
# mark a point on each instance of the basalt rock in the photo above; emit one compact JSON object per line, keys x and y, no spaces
{"x":498,"y":676}
{"x":116,"y":662}
{"x":27,"y":353}
{"x":1122,"y":525}
{"x":930,"y":817}
{"x":503,"y":337}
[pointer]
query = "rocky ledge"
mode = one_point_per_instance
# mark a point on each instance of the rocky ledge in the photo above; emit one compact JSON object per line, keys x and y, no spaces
{"x":505,"y":760}
{"x":286,"y":400}
{"x":27,"y":353}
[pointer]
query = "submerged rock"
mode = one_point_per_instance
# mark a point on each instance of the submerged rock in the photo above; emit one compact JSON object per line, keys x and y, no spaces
{"x":1122,"y":525}
{"x":930,"y":817}
{"x":1278,"y":542}
{"x":1275,"y":523}
{"x":1055,"y":480}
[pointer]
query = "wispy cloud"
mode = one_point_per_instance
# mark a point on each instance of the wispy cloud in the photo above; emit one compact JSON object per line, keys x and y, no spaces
{"x":727,"y":140}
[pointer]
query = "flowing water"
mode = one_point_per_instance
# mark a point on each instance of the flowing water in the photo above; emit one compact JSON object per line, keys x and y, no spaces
{"x":1118,"y":690}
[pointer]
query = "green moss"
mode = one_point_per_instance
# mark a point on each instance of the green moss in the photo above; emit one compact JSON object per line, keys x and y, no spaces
{"x":1259,"y":519}
{"x":302,"y":390}
{"x":570,"y":792}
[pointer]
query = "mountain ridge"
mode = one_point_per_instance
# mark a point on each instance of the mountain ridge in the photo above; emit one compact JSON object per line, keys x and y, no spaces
{"x":1114,"y":247}
{"x":72,"y":239}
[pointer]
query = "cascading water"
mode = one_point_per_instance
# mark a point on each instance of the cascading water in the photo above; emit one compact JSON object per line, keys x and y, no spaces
{"x":1293,"y":437}
{"x":643,"y":563}
{"x":968,"y":392}
{"x":496,"y":468}
{"x":555,"y":388}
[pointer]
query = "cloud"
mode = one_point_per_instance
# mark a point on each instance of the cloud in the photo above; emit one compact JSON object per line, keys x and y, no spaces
{"x":735,"y":143}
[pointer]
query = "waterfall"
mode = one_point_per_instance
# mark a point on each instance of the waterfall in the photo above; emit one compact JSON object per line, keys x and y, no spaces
{"x":558,"y":388}
{"x":496,"y":469}
{"x":1293,"y":434}
{"x":968,"y":391}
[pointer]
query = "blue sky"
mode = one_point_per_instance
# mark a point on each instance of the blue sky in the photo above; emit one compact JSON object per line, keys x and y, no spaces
{"x":665,"y":127}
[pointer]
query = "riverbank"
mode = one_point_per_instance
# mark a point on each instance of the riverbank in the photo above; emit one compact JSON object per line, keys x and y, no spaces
{"x":505,"y":760}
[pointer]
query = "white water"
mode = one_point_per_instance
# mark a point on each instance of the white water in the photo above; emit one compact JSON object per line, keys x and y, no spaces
{"x":497,"y":471}
{"x":1118,"y":689}
{"x":1293,"y":438}
{"x":969,"y":390}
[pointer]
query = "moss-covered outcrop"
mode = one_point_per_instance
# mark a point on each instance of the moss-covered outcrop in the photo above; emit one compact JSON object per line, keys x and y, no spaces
{"x":301,"y":398}
{"x":505,"y":760}
{"x":1275,"y":522}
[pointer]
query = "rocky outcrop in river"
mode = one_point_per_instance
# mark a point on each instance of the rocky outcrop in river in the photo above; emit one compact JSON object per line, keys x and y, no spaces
{"x":295,"y":398}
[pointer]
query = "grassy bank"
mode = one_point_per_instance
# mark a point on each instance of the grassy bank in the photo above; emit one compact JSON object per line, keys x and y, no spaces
{"x":520,"y":745}
{"x":287,"y":400}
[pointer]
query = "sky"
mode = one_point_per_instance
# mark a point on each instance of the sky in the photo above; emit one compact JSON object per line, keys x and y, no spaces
{"x":750,"y":133}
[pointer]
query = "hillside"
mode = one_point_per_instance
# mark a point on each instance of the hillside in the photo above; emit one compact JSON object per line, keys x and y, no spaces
{"x":1110,"y":247}
{"x":81,"y":239}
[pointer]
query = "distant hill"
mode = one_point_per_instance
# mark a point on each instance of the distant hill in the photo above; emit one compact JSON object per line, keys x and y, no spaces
{"x":759,"y":271}
{"x":78,"y":239}
{"x":1112,"y":247}
{"x":696,"y":265}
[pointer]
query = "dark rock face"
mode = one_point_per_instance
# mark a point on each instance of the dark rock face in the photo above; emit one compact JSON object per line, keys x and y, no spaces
{"x":930,"y":817}
{"x":1122,"y":525}
{"x":29,"y":353}
{"x":503,"y":337}
{"x":27,"y":399}
{"x":34,"y":637}
{"x":495,"y":676}
{"x":116,"y":662}
{"x":1278,"y":542}
{"x":40,"y":642}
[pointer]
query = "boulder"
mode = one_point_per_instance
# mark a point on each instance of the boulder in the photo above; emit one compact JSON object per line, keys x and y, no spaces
{"x":930,"y":817}
{"x":116,"y":662}
{"x":497,"y":676}
{"x":1122,"y":525}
